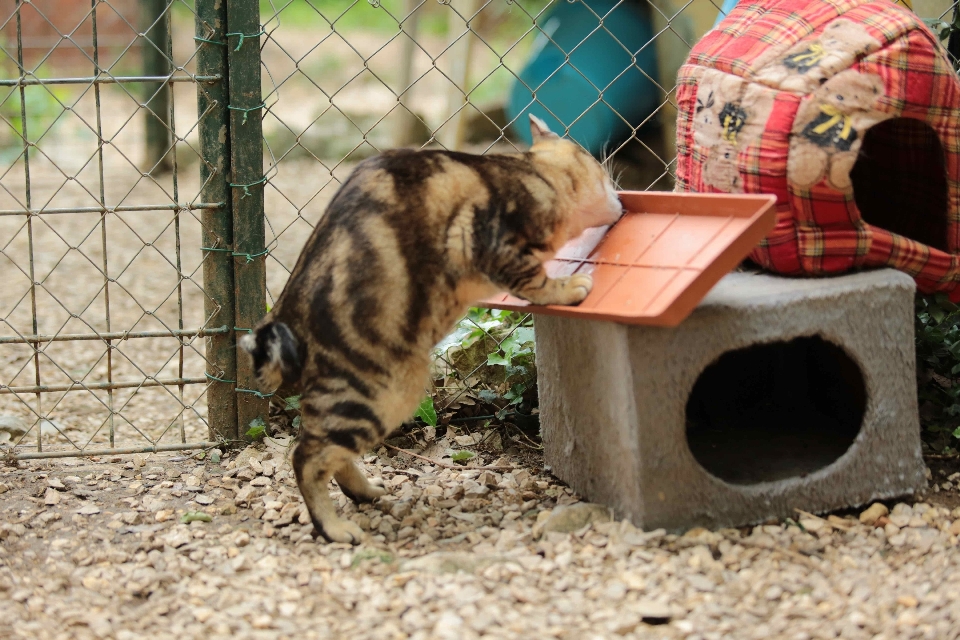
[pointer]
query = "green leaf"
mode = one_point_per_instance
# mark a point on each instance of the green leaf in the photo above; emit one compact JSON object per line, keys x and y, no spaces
{"x":296,"y":422}
{"x":292,"y":403}
{"x":427,"y":412}
{"x":258,"y":429}
{"x":956,"y":433}
{"x":497,"y":359}
{"x":195,"y":516}
{"x":384,"y":557}
{"x":462,"y":456}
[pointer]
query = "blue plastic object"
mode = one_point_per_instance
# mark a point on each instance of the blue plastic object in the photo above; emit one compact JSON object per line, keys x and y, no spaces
{"x":728,"y":6}
{"x":602,"y":63}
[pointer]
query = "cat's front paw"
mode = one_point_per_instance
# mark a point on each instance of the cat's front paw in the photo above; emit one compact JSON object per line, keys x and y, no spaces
{"x":577,"y":287}
{"x":340,"y":530}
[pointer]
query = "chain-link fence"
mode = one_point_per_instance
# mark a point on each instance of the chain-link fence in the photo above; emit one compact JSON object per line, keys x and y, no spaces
{"x":141,"y":228}
{"x":102,"y":307}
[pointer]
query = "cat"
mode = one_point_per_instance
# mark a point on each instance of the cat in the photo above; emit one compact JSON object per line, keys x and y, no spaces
{"x":407,"y":243}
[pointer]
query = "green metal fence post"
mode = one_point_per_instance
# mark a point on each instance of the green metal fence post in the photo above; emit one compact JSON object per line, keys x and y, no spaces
{"x":156,"y":62}
{"x":212,"y":101}
{"x":247,"y":183}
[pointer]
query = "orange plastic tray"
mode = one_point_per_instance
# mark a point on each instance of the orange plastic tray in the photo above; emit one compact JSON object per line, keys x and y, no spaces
{"x":660,"y":259}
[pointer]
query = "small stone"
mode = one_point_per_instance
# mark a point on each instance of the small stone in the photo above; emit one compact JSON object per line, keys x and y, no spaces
{"x":401,"y":509}
{"x":901,"y":514}
{"x":488,"y":479}
{"x":449,"y":562}
{"x":873,"y":513}
{"x":614,"y":591}
{"x":908,"y":618}
{"x":773,"y":593}
{"x":203,"y":499}
{"x":396,"y":481}
{"x":163,"y":515}
{"x":51,"y":497}
{"x":89,"y":510}
{"x":262,"y":622}
{"x":917,"y":522}
{"x":173,"y":473}
{"x":178,"y":536}
{"x":3,"y":488}
{"x":448,"y":626}
{"x":651,"y":610}
{"x":955,"y":528}
{"x":813,"y":524}
{"x":473,"y":489}
{"x":570,"y":518}
{"x":55,"y":483}
{"x":260,"y":481}
{"x":202,"y":614}
{"x":908,"y":601}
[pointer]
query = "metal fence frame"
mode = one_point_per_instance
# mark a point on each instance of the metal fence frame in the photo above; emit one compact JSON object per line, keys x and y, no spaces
{"x":231,"y":106}
{"x":230,"y":207}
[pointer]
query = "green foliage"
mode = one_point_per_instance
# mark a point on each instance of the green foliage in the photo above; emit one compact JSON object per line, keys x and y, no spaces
{"x":938,"y":369}
{"x":292,"y":403}
{"x":427,"y":412}
{"x":462,"y":456}
{"x":257,"y":430}
{"x":498,"y":348}
{"x":385,"y":557}
{"x":195,"y":516}
{"x":43,"y":107}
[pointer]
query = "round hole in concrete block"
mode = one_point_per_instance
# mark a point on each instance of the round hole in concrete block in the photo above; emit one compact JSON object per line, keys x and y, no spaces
{"x":774,"y":411}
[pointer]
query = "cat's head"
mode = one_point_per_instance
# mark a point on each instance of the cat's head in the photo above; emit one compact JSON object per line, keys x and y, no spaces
{"x":584,"y":182}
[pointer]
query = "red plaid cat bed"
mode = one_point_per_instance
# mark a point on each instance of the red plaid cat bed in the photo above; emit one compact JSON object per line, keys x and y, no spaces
{"x":848,"y":111}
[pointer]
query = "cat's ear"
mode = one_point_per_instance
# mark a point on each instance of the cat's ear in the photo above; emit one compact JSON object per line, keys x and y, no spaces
{"x":539,"y":130}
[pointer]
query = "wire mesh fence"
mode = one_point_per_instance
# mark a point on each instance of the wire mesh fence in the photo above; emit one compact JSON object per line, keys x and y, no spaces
{"x":141,"y":227}
{"x":344,"y":79}
{"x":102,"y":318}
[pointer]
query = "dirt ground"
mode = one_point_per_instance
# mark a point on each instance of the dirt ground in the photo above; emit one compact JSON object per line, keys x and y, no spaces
{"x":97,"y":548}
{"x":101,"y":547}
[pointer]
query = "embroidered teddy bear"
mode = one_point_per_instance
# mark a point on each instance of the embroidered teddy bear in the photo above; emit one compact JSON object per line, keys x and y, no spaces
{"x":730,"y":114}
{"x":829,"y":127}
{"x":809,"y":63}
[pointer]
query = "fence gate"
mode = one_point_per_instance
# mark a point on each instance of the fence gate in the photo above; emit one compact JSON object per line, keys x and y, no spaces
{"x":142,"y":229}
{"x":124,"y":162}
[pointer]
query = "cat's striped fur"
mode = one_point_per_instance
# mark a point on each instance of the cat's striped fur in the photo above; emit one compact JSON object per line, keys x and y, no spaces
{"x":410,"y":240}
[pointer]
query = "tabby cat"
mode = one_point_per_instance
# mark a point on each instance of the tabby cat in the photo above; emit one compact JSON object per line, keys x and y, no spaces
{"x":409,"y":241}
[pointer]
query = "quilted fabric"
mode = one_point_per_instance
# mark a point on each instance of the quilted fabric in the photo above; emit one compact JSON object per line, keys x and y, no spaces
{"x":781,"y":98}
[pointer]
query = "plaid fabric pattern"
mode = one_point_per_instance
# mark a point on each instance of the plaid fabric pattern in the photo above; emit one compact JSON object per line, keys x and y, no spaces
{"x":819,"y":229}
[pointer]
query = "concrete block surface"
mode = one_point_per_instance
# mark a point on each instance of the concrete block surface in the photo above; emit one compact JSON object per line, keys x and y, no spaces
{"x":776,"y":394}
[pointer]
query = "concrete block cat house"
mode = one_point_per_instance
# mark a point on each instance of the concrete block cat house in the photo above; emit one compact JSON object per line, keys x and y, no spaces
{"x":775,"y":394}
{"x":778,"y":393}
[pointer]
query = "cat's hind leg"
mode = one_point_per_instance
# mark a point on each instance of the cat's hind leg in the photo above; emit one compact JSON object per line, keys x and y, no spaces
{"x":355,"y":484}
{"x":315,"y":460}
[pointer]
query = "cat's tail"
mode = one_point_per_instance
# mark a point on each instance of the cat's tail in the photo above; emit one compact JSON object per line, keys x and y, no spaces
{"x":275,"y":354}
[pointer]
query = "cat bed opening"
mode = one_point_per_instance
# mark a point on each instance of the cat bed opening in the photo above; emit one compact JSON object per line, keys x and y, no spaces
{"x":773,"y":411}
{"x":900,"y":181}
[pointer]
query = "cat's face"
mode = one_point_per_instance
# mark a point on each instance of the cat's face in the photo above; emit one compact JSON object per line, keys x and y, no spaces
{"x":593,"y":197}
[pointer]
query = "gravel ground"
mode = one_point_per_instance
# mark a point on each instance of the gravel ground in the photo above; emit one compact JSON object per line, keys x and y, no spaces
{"x":97,"y":549}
